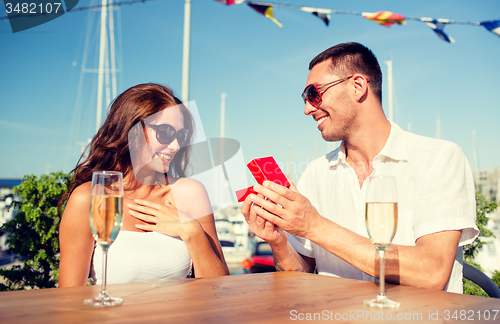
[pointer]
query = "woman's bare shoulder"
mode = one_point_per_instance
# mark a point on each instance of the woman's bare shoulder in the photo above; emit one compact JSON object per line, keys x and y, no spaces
{"x":79,"y":198}
{"x":77,"y":209}
{"x":81,"y":193}
{"x":188,"y":185}
{"x":191,"y":196}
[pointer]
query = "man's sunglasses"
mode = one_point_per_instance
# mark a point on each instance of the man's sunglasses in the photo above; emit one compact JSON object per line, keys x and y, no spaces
{"x":312,"y":94}
{"x":165,"y":134}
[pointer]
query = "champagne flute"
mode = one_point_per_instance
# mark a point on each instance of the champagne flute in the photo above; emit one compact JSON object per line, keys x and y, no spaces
{"x":106,"y":211}
{"x":381,"y":223}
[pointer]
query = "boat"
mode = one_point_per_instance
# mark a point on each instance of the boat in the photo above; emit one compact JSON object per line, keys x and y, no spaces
{"x":226,"y":235}
{"x":234,"y":236}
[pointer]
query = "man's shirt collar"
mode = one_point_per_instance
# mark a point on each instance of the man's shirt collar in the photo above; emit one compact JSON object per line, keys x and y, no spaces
{"x":394,"y":148}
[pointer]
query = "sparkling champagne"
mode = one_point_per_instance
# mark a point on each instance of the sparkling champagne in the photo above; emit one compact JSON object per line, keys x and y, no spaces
{"x":106,"y":218}
{"x":106,"y":212}
{"x":381,"y":222}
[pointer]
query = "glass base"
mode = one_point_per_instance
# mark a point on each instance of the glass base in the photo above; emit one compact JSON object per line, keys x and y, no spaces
{"x":382,"y":302}
{"x":103,"y":300}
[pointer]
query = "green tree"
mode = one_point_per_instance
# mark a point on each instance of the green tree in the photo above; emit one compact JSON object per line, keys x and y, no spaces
{"x":483,"y":208}
{"x":496,"y":278}
{"x":34,"y":233}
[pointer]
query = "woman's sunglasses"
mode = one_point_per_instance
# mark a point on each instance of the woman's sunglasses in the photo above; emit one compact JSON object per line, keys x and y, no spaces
{"x":165,"y":134}
{"x":312,"y":94}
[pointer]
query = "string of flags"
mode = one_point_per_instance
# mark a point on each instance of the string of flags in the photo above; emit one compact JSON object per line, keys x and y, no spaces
{"x":384,"y":18}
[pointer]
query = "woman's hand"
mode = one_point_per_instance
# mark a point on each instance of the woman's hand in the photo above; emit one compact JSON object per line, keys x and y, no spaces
{"x":165,"y":219}
{"x":207,"y":259}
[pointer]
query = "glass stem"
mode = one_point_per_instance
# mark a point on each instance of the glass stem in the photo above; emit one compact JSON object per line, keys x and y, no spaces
{"x":381,"y":278}
{"x":104,"y":270}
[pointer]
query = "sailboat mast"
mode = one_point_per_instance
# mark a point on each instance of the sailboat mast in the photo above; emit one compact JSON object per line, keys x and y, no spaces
{"x":102,"y":52}
{"x":186,"y":51}
{"x":390,"y":89}
{"x":438,"y":127}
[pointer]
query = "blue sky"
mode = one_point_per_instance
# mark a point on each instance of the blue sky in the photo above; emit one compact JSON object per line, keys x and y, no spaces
{"x":261,"y":67}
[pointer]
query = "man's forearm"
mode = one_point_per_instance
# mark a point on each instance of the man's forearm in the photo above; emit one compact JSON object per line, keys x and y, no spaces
{"x":428,"y":264}
{"x":287,"y":259}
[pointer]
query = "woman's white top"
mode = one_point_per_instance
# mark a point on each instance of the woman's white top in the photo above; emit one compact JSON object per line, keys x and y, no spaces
{"x":143,"y":256}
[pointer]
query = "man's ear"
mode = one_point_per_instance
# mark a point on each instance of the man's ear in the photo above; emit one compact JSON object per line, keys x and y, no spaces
{"x":360,"y":87}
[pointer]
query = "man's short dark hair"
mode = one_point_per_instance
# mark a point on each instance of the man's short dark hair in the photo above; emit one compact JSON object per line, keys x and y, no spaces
{"x":350,"y":58}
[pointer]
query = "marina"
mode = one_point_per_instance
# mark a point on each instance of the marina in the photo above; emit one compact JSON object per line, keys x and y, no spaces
{"x":236,"y":240}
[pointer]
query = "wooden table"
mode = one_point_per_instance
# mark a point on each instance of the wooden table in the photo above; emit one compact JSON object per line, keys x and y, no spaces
{"x":252,"y":298}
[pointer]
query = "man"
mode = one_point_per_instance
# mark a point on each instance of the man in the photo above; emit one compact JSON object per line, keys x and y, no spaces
{"x":325,"y":215}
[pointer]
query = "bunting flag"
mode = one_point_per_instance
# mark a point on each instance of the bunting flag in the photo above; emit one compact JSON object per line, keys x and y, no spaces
{"x":323,"y":14}
{"x":230,"y":2}
{"x":493,"y":26}
{"x":266,"y":11}
{"x":385,"y":18}
{"x":437,"y":26}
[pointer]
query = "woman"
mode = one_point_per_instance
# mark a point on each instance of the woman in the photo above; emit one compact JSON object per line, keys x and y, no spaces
{"x":146,"y":137}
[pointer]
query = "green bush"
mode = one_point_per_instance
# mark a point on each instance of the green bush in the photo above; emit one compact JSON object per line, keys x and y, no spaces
{"x":496,"y":278}
{"x":34,"y":233}
{"x":483,"y":208}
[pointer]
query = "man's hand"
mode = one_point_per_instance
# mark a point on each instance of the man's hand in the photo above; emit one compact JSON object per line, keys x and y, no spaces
{"x":267,"y":231}
{"x":285,"y":208}
{"x":285,"y":257}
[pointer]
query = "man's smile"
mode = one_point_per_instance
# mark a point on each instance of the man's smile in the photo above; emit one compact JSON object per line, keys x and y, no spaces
{"x":320,"y":120}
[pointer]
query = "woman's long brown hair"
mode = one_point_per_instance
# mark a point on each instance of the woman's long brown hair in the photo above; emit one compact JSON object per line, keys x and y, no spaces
{"x":109,"y":149}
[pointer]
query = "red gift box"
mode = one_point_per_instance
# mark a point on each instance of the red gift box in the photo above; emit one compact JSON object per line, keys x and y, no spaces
{"x":243,"y":193}
{"x":263,"y":169}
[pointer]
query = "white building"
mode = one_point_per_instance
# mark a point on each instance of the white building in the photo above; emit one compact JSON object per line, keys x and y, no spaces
{"x":487,"y":183}
{"x":6,"y":199}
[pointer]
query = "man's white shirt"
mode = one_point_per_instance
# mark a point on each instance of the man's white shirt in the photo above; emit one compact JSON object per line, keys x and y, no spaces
{"x":435,"y":193}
